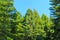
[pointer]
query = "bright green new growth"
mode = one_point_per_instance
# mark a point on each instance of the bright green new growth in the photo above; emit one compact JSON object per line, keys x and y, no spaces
{"x":29,"y":27}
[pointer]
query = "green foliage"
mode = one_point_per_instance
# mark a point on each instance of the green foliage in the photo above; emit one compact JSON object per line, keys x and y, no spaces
{"x":33,"y":25}
{"x":56,"y":18}
{"x":5,"y":9}
{"x":16,"y":26}
{"x":48,"y":26}
{"x":30,"y":27}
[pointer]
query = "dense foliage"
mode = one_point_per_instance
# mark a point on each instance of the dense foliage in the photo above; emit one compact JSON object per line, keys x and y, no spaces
{"x":55,"y":9}
{"x":31,"y":26}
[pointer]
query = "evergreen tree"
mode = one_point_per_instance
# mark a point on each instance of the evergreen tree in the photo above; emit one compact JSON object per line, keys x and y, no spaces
{"x":6,"y":8}
{"x":28,"y":25}
{"x":48,"y":26}
{"x":55,"y":10}
{"x":33,"y":27}
{"x":38,"y":27}
{"x":16,"y":26}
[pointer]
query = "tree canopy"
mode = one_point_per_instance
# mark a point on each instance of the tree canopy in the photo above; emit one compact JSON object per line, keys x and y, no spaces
{"x":32,"y":26}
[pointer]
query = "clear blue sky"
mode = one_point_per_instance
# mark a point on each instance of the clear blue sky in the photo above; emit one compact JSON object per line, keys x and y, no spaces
{"x":42,"y":6}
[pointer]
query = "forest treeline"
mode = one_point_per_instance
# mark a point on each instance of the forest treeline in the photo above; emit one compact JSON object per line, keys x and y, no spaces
{"x":13,"y":26}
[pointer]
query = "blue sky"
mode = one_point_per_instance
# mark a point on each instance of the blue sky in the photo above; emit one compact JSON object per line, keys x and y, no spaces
{"x":42,"y":6}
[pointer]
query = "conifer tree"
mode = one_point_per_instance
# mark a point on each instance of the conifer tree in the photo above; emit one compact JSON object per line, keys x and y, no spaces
{"x":6,"y":8}
{"x":38,"y":28}
{"x":55,"y":12}
{"x":28,"y":24}
{"x":33,"y":27}
{"x":16,"y":26}
{"x":48,"y":26}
